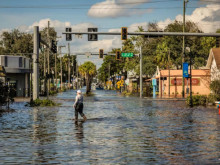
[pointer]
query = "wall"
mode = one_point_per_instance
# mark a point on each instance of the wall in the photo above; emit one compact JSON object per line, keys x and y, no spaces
{"x":200,"y":86}
{"x":13,"y":61}
{"x":215,"y":72}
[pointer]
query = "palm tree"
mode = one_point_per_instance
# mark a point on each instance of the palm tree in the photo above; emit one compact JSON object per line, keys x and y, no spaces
{"x":88,"y":70}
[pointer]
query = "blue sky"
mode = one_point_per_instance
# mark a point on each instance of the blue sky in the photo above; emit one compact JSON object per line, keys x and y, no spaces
{"x":61,"y":10}
{"x":107,"y":15}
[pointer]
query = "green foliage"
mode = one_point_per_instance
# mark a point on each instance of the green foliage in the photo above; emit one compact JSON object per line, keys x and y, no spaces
{"x":6,"y":94}
{"x":125,"y":93}
{"x":202,"y":99}
{"x":212,"y":98}
{"x":42,"y":103}
{"x":197,"y":100}
{"x":215,"y":87}
{"x":16,"y":42}
{"x":53,"y":92}
{"x":3,"y":91}
{"x":109,"y":62}
{"x":88,"y":71}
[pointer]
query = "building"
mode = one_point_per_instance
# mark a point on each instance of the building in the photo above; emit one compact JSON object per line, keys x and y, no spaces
{"x":213,"y":63}
{"x":17,"y":73}
{"x":200,"y":82}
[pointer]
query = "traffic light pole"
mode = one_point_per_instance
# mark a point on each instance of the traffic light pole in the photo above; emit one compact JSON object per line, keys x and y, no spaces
{"x":48,"y":61}
{"x":141,"y":78}
{"x":151,"y":33}
{"x":68,"y":65}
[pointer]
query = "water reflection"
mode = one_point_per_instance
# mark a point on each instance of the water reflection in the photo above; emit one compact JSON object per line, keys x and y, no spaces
{"x":44,"y":135}
{"x":79,"y":131}
{"x":118,"y":131}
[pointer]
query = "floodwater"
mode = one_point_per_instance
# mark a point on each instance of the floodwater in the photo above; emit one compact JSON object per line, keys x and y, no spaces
{"x":119,"y":130}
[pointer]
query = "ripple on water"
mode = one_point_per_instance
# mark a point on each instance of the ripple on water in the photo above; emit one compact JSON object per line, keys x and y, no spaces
{"x":119,"y":130}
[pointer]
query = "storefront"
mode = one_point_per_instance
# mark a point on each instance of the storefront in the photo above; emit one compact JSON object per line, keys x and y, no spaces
{"x":170,"y":82}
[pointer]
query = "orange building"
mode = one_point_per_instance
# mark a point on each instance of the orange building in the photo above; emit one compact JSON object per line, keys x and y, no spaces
{"x":200,"y":82}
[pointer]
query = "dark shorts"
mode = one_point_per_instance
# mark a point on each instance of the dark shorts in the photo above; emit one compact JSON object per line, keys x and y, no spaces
{"x":79,"y":109}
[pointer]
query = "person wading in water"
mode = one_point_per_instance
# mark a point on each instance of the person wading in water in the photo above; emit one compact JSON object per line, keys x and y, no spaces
{"x":78,"y":105}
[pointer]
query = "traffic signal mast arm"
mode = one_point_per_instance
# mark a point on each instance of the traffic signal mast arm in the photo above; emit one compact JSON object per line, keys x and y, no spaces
{"x":151,"y":33}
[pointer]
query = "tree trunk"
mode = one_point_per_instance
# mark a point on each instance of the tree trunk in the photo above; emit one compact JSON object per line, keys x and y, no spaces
{"x":87,"y":84}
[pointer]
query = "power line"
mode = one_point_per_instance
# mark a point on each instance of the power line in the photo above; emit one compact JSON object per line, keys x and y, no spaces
{"x":121,"y":8}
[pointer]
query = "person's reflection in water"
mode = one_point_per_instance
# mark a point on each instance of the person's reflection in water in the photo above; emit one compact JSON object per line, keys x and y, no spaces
{"x":79,"y":132}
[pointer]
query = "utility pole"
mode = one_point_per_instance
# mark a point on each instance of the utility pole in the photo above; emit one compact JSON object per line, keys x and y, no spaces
{"x":48,"y":60}
{"x":56,"y":70}
{"x":109,"y":74}
{"x":36,"y":64}
{"x":141,"y":78}
{"x":77,"y":76}
{"x":45,"y":78}
{"x":73,"y":71}
{"x":61,"y":69}
{"x":68,"y":65}
{"x":183,"y":79}
{"x":169,"y":72}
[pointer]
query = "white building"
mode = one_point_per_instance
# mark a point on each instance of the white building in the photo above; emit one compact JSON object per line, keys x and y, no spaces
{"x":17,"y":73}
{"x":213,"y":63}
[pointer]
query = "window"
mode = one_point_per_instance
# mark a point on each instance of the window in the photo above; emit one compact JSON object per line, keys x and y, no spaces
{"x":6,"y":61}
{"x":20,"y":61}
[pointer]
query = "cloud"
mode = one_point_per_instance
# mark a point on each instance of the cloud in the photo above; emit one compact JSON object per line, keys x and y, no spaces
{"x":207,"y":18}
{"x":116,"y":8}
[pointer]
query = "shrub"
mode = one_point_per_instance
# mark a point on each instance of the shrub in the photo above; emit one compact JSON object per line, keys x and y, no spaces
{"x":53,"y":93}
{"x":42,"y":103}
{"x":212,"y":98}
{"x":215,"y":87}
{"x":125,"y":93}
{"x":197,"y":100}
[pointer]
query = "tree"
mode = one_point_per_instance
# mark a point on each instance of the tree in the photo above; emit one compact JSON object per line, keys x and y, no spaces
{"x":16,"y":42}
{"x":88,"y":71}
{"x":6,"y":94}
{"x":215,"y":87}
{"x":199,"y":46}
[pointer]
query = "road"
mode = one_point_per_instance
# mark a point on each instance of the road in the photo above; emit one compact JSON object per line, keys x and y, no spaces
{"x":119,"y":130}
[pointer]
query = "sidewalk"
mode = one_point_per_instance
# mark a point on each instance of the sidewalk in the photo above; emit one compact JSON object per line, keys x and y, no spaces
{"x":22,"y":99}
{"x":165,"y":99}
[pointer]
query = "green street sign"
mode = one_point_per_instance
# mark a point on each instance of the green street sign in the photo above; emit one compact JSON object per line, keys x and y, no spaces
{"x":127,"y":54}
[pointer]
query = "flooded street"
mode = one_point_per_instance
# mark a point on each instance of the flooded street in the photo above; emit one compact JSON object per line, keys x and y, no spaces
{"x":119,"y":130}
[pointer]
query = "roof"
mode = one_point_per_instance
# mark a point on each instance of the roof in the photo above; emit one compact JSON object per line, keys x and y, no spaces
{"x":214,"y":54}
{"x":2,"y":71}
{"x":179,"y":73}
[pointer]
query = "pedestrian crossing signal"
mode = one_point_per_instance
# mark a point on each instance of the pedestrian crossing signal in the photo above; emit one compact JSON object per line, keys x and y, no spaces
{"x":118,"y":54}
{"x":101,"y":53}
{"x":124,"y":33}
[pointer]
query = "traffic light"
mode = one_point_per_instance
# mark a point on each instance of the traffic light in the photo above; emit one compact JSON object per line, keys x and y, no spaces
{"x":118,"y":55}
{"x":217,"y":43}
{"x":68,"y":36}
{"x":92,"y":37}
{"x":124,"y":33}
{"x":101,"y":53}
{"x":53,"y":46}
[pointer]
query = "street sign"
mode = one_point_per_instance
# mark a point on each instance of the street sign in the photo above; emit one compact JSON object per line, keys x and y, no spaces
{"x":185,"y":69}
{"x":127,"y":54}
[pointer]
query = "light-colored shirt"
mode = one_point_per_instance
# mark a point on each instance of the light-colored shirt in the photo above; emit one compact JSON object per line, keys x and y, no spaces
{"x":79,"y":99}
